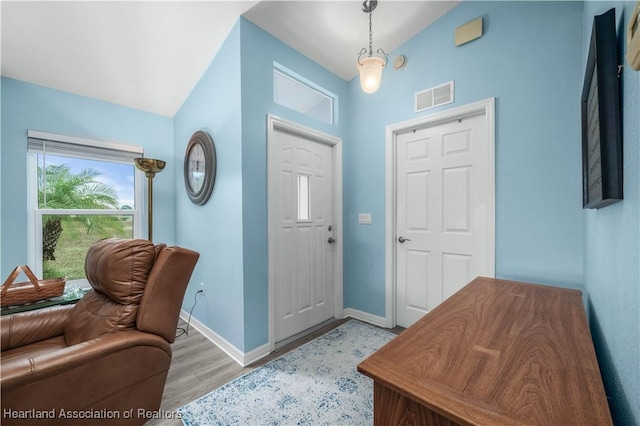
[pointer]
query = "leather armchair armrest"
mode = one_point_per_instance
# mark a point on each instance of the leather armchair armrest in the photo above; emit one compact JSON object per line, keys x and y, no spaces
{"x":15,"y":372}
{"x":29,"y":327}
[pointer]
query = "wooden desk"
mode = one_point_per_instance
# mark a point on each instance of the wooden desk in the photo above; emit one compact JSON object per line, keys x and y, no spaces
{"x":495,"y":353}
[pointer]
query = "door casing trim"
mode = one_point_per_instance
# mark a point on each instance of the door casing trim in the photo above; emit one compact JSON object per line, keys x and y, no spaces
{"x":274,"y":124}
{"x":486,"y":107}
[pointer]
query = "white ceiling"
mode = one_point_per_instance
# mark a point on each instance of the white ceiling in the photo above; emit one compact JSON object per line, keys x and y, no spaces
{"x":149,"y":55}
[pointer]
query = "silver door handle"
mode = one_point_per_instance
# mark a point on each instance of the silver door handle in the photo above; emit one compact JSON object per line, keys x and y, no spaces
{"x":331,"y":240}
{"x":401,"y":239}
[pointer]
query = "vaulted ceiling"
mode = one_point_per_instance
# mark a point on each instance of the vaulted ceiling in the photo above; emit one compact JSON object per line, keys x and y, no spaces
{"x":149,"y":55}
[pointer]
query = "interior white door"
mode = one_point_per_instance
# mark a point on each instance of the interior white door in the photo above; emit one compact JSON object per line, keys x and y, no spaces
{"x":301,"y":223}
{"x":443,"y":196}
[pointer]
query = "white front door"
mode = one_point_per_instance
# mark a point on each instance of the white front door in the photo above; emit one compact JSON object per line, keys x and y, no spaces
{"x":443,"y":195}
{"x":301,"y":224}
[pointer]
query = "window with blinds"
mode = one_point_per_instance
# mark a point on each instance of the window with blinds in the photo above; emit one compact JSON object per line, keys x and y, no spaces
{"x":80,"y":191}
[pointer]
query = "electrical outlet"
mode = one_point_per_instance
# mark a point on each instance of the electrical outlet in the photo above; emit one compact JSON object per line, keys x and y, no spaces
{"x":202,"y":286}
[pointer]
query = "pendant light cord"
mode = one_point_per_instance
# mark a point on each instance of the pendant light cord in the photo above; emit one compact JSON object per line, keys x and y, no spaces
{"x":370,"y":35}
{"x":368,"y":6}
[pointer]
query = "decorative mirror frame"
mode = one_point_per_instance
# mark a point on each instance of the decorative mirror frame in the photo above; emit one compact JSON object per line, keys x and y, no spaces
{"x":203,"y":139}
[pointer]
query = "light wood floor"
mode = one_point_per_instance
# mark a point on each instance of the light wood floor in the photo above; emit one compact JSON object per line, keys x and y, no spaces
{"x":198,"y":367}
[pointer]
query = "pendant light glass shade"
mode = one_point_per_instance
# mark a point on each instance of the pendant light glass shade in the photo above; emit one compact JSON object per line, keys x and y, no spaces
{"x":370,"y":69}
{"x":370,"y":64}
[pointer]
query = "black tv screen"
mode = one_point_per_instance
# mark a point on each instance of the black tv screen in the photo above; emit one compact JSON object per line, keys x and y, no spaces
{"x":602,"y":117}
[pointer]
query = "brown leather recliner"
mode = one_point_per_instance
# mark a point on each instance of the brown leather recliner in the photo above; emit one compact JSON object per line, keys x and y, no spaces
{"x":105,"y":359}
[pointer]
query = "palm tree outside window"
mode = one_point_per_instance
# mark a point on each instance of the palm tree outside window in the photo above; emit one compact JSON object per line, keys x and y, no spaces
{"x":80,"y":191}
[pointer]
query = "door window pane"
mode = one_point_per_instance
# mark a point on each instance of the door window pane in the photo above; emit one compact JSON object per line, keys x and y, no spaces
{"x":303,"y":197}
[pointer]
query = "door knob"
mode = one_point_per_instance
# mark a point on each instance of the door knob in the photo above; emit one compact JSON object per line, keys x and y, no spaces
{"x":402,"y":239}
{"x":331,"y":240}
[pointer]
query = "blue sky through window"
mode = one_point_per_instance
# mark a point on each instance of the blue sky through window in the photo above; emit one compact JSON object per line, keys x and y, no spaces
{"x":118,"y":176}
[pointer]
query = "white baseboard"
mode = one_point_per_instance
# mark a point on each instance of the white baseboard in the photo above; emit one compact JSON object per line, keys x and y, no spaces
{"x":244,"y":359}
{"x":255,"y":354}
{"x":366,"y":317}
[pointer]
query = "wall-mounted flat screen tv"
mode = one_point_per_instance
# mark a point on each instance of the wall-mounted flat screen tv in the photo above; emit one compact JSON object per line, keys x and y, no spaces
{"x":602,"y":117}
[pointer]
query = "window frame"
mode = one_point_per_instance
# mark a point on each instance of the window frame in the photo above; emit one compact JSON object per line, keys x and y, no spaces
{"x":300,"y":80}
{"x":79,"y":148}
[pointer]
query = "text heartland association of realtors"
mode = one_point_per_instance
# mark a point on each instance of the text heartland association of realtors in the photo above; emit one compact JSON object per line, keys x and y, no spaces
{"x":140,"y":413}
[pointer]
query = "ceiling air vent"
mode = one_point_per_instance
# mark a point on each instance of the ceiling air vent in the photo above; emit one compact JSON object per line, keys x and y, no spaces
{"x":435,"y":96}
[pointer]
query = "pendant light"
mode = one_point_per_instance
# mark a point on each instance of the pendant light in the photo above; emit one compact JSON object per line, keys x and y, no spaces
{"x":370,"y":64}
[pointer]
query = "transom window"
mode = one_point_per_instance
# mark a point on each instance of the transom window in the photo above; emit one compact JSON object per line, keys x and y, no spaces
{"x":292,"y":91}
{"x":80,"y":191}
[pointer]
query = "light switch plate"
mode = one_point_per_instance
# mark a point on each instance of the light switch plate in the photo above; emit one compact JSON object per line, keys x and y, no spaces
{"x":364,"y":218}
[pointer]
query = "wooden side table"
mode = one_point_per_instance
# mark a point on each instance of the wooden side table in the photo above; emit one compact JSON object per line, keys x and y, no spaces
{"x":54,"y":301}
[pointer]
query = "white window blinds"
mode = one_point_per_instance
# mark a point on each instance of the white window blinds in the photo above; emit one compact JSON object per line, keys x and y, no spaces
{"x":68,"y":146}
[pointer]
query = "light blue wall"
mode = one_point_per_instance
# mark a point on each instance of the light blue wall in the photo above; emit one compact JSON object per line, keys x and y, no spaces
{"x":259,"y":51}
{"x":215,"y":229}
{"x":1,"y":268}
{"x":232,"y":101}
{"x":530,"y":60}
{"x":612,"y":248}
{"x":29,"y":107}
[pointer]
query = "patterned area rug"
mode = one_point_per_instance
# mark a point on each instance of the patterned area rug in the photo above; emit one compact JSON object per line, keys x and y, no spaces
{"x":315,"y":384}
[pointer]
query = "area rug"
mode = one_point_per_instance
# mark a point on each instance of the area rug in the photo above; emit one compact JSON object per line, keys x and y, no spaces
{"x":315,"y":384}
